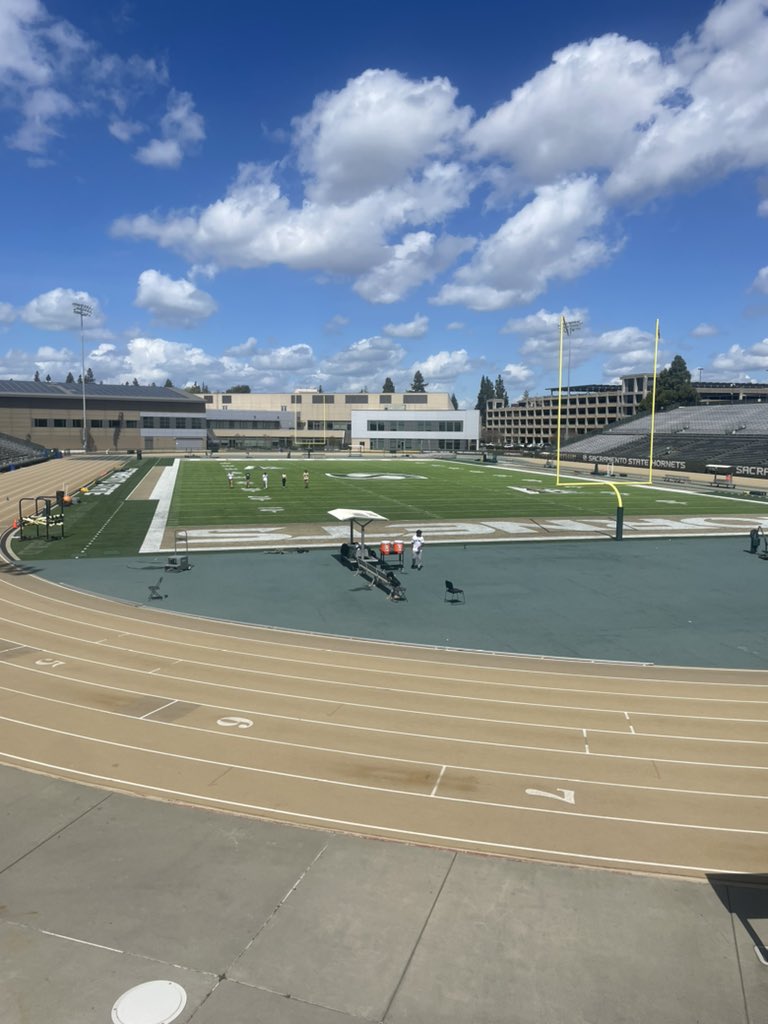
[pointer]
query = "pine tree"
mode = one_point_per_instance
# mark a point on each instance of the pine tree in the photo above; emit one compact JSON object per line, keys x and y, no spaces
{"x":419,"y":383}
{"x":70,"y":379}
{"x":89,"y":377}
{"x":36,"y":378}
{"x":389,"y":387}
{"x":673,"y":387}
{"x":47,"y":378}
{"x":500,"y":391}
{"x":485,"y":393}
{"x":168,"y":383}
{"x":454,"y":401}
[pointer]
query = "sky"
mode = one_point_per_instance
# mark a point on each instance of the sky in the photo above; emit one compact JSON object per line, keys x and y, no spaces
{"x":333,"y":194}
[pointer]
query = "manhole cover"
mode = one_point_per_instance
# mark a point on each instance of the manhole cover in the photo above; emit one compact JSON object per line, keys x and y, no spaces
{"x":154,"y":1002}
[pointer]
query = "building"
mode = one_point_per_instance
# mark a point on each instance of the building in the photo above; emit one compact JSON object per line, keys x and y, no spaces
{"x":532,"y":422}
{"x":406,"y":430}
{"x":306,"y":417}
{"x":129,"y":417}
{"x":124,"y":417}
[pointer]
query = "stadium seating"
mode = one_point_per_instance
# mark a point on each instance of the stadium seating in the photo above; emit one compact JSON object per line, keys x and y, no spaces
{"x":15,"y":452}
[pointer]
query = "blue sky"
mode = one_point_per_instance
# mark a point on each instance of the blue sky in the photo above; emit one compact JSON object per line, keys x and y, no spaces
{"x":336,"y":193}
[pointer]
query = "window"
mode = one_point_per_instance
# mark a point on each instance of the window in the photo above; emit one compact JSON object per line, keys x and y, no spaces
{"x":226,"y":399}
{"x":356,"y":399}
{"x":148,"y":421}
{"x":41,"y":423}
{"x":131,"y":424}
{"x":208,"y":399}
{"x":164,"y":422}
{"x":416,"y":399}
{"x":77,"y":423}
{"x":295,"y":399}
{"x":59,"y":423}
{"x":322,"y":399}
{"x":97,"y":423}
{"x":385,"y":399}
{"x":113,"y":423}
{"x":181,"y":422}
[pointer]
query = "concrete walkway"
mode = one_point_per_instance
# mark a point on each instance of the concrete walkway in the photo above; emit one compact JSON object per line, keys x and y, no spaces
{"x":261,"y":922}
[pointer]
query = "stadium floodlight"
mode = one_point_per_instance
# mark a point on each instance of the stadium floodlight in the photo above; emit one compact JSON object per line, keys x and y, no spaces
{"x":82,"y":309}
{"x":567,"y":328}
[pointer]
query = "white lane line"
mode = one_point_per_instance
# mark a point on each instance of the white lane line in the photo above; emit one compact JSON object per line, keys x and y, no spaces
{"x":399,"y":733}
{"x":113,"y":611}
{"x":390,"y":790}
{"x":362,"y":754}
{"x":80,"y":942}
{"x":586,"y":744}
{"x":384,"y":829}
{"x":358,"y":705}
{"x":391,"y":672}
{"x":439,"y":777}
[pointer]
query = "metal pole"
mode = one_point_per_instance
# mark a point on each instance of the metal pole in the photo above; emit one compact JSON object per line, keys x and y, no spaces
{"x":82,"y":310}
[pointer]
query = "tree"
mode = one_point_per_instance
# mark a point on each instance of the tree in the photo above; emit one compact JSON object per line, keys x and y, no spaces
{"x":239,"y":389}
{"x":388,"y":387}
{"x":48,"y":378}
{"x":484,"y":395}
{"x":36,"y":378}
{"x":168,"y":383}
{"x":454,"y":402}
{"x":673,"y":387}
{"x":135,"y":382}
{"x":418,"y":383}
{"x":500,"y":391}
{"x":70,"y":378}
{"x":89,"y":377}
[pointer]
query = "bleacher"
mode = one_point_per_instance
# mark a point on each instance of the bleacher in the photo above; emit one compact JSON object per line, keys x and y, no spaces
{"x":694,"y":435}
{"x":15,"y":452}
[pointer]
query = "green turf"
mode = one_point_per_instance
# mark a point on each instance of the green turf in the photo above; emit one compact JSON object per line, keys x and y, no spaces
{"x":399,"y":489}
{"x":412,"y":490}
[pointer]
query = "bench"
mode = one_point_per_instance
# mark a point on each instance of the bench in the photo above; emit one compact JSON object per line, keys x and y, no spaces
{"x":676,"y":480}
{"x":722,"y":483}
{"x":371,"y":568}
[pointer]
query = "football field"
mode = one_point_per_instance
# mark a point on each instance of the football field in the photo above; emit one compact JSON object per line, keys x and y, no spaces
{"x":410,"y":489}
{"x":114,"y":517}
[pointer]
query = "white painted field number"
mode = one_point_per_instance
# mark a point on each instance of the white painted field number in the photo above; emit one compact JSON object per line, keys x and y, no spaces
{"x":49,"y":662}
{"x":235,"y":723}
{"x":568,"y":795}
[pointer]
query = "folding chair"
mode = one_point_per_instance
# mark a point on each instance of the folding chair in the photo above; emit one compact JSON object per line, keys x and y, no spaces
{"x":453,"y":593}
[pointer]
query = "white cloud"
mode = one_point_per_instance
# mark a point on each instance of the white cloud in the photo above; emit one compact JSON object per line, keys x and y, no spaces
{"x":454,"y":325}
{"x":419,"y":257}
{"x":517,"y":373}
{"x":378,"y":130}
{"x":53,"y":311}
{"x":336,"y":324}
{"x":553,"y":236}
{"x":738,"y":359}
{"x":7,"y":313}
{"x":41,"y":109}
{"x":704,"y":331}
{"x":175,"y":302}
{"x":543,"y":323}
{"x":359,"y":361}
{"x":442,"y":368}
{"x":580,"y":113}
{"x":415,"y":328}
{"x":760,"y":284}
{"x":155,"y":359}
{"x":181,"y":128}
{"x":124,"y":131}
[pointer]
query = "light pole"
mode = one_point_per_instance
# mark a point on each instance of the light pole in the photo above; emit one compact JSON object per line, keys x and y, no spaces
{"x":82,"y":310}
{"x":701,"y":370}
{"x":569,"y":326}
